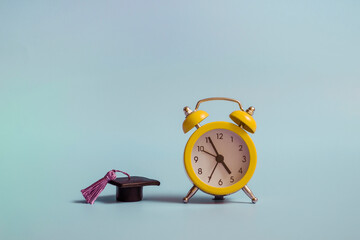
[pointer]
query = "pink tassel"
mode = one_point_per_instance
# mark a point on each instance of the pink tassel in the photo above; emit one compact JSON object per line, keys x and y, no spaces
{"x":92,"y":192}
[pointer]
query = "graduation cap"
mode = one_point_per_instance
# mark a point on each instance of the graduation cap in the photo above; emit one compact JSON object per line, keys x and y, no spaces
{"x":128,"y":189}
{"x":131,"y":190}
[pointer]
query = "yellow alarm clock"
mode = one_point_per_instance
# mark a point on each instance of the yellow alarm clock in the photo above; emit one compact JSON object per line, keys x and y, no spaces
{"x":220,"y":157}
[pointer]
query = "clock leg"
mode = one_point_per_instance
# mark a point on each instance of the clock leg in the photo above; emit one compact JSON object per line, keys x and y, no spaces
{"x":191,"y":193}
{"x":250,"y":194}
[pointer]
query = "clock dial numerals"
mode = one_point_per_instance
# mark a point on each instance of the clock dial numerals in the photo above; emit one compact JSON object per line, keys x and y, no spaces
{"x":220,"y":182}
{"x":232,"y":179}
{"x":221,"y":158}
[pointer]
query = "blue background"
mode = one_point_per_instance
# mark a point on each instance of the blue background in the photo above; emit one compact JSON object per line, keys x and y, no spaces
{"x":88,"y":86}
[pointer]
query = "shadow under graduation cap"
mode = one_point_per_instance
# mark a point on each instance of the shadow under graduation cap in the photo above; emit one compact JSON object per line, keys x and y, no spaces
{"x":131,"y":190}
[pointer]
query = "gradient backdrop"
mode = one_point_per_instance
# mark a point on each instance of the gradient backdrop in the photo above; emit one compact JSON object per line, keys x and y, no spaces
{"x":88,"y":86}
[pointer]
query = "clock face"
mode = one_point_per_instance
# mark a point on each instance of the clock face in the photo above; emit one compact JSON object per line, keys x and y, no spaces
{"x":220,"y":158}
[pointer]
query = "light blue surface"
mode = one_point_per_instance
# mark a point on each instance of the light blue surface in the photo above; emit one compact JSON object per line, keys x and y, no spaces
{"x":88,"y":86}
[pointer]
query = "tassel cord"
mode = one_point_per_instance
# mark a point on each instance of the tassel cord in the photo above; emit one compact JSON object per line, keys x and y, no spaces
{"x":93,"y":191}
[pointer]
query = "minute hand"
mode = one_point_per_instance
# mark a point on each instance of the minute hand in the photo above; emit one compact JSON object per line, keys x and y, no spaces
{"x":212,"y":144}
{"x":219,"y":158}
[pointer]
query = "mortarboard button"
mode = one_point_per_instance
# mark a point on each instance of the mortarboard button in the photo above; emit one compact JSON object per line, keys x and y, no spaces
{"x":131,"y":190}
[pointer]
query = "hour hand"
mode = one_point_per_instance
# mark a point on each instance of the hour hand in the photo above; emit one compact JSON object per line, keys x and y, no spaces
{"x":226,"y":167}
{"x":220,"y":159}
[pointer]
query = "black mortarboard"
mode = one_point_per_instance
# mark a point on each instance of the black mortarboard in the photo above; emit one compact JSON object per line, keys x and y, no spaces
{"x":131,"y":190}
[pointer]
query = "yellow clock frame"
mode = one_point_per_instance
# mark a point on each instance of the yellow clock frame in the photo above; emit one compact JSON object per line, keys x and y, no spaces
{"x":188,"y":160}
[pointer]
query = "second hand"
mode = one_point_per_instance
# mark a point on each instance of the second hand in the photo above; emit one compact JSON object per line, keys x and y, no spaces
{"x":213,"y":171}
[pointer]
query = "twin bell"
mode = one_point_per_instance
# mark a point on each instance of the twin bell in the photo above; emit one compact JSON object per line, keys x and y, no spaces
{"x":242,"y":118}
